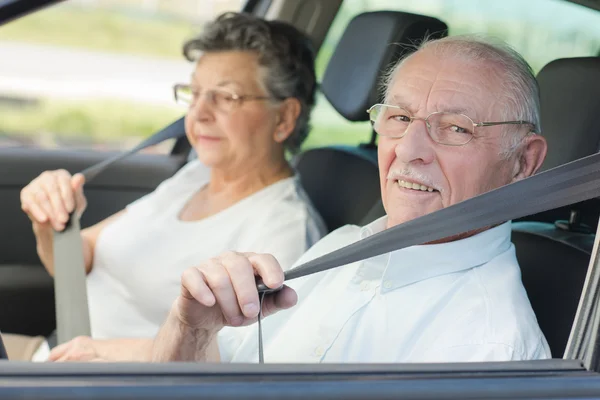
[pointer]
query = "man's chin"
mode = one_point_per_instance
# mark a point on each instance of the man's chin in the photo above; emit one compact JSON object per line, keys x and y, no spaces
{"x":394,"y":220}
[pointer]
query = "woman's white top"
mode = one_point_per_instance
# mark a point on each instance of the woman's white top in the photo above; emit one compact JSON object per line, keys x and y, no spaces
{"x":139,"y":258}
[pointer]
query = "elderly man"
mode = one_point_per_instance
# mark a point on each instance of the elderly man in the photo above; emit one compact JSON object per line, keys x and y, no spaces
{"x":459,"y":119}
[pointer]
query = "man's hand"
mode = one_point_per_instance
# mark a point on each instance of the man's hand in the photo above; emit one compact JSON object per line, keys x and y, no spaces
{"x":82,"y":348}
{"x":220,"y":292}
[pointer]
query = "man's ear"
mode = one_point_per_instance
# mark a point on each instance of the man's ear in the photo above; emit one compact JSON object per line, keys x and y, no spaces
{"x":289,"y":110}
{"x":530,"y":157}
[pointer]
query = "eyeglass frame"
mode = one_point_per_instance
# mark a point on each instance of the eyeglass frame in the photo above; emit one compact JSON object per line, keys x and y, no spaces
{"x":475,"y":124}
{"x":239,"y":99}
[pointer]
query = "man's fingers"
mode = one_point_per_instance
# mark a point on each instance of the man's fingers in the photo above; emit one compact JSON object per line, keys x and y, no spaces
{"x":241,"y":274}
{"x":194,"y":287}
{"x":281,"y":300}
{"x":268,"y":268}
{"x":220,"y":284}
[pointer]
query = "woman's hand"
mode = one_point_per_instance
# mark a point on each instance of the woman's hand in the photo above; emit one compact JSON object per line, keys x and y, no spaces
{"x":82,"y":348}
{"x":51,"y":197}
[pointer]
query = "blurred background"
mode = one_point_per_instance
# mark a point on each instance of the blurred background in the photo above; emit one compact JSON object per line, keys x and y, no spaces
{"x":98,"y":74}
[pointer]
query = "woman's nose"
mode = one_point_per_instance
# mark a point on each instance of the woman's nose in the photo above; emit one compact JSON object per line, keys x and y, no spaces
{"x":202,"y":108}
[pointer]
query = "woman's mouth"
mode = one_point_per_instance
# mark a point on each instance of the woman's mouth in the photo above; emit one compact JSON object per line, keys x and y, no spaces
{"x":208,"y":138}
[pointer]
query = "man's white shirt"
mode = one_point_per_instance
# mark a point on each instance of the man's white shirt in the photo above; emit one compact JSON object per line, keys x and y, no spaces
{"x":451,"y":302}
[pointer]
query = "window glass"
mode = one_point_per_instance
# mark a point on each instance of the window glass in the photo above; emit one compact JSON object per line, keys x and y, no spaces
{"x":96,"y":73}
{"x":541,"y":30}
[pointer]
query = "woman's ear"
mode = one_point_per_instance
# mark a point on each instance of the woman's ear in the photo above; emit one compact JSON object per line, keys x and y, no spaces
{"x":289,"y":110}
{"x":532,"y":155}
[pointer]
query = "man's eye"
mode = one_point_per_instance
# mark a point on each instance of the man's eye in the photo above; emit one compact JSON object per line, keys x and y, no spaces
{"x":401,"y":118}
{"x":458,"y":129}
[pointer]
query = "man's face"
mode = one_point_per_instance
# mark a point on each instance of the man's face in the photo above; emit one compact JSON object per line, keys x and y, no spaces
{"x":424,"y":84}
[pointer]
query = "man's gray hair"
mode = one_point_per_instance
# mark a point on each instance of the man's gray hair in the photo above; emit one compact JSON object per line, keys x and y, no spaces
{"x":285,"y":54}
{"x":520,"y":88}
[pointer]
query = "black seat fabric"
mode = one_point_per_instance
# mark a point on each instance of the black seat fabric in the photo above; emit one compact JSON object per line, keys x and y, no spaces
{"x":570,"y":110}
{"x":371,"y":43}
{"x":570,"y":103}
{"x":554,"y":260}
{"x":343,"y":181}
{"x":553,"y":268}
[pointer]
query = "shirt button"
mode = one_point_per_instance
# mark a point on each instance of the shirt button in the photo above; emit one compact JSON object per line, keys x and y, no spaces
{"x":387,"y":284}
{"x":364,"y":286}
{"x":319,"y":351}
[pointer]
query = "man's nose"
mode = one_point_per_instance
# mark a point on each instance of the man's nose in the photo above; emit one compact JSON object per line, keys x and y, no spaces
{"x":416,"y":145}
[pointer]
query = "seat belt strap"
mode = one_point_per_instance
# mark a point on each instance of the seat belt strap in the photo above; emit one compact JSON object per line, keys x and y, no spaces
{"x":70,"y":288}
{"x":567,"y":184}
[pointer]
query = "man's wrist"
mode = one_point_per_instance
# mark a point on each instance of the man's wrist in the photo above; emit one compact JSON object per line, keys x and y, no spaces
{"x":178,"y":341}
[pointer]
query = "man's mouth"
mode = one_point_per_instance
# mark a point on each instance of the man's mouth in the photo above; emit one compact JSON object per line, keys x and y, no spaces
{"x":415,"y":186}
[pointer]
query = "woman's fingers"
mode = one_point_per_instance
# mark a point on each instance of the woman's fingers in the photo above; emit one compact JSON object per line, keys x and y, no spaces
{"x":51,"y":198}
{"x":52,"y":188}
{"x":34,"y":211}
{"x":59,"y":351}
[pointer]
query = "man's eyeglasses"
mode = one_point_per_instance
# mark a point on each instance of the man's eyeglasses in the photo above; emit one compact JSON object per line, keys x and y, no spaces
{"x":451,"y":129}
{"x":220,"y":99}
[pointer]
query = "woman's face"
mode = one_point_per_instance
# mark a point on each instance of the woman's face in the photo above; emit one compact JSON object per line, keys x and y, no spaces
{"x":227,"y":133}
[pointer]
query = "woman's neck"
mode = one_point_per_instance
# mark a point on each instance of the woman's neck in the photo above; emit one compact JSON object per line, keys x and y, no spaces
{"x":243,"y":182}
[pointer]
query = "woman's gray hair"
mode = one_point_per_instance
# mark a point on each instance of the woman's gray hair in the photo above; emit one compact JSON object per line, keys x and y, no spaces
{"x":520,"y":88}
{"x":285,"y":54}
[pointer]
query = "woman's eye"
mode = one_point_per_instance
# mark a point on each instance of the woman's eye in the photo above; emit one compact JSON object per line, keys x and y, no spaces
{"x":224,"y":97}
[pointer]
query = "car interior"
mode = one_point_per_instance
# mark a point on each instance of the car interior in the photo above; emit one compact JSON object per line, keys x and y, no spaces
{"x":553,"y":248}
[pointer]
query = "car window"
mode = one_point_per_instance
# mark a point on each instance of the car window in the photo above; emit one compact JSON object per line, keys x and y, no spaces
{"x":541,"y":30}
{"x":96,"y":74}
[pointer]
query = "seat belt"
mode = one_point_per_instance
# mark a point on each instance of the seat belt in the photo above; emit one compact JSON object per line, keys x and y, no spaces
{"x":567,"y":184}
{"x":70,"y":289}
{"x":586,"y":325}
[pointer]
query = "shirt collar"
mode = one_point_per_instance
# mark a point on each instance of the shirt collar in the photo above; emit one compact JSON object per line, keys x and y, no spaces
{"x":416,"y":263}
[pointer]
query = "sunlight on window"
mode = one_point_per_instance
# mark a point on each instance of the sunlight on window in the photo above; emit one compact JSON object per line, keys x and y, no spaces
{"x":531,"y":27}
{"x":96,"y":73}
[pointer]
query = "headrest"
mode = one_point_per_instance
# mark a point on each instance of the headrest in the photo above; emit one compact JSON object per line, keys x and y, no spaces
{"x":367,"y":48}
{"x":570,"y":108}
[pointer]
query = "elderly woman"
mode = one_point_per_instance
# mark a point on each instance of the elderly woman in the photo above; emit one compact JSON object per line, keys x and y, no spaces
{"x":249,"y":98}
